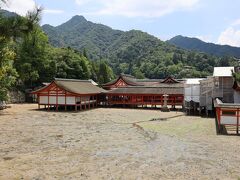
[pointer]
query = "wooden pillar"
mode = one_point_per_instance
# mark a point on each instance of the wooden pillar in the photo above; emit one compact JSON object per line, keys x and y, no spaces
{"x":48,"y":100}
{"x":57,"y":100}
{"x":237,"y":121}
{"x":38,"y":101}
{"x":218,"y":117}
{"x":80,"y":104}
{"x":161,"y":100}
{"x":65,"y":93}
{"x":194,"y":108}
{"x":75,"y":103}
{"x":175,"y":101}
{"x":96,"y":100}
{"x":182,"y":101}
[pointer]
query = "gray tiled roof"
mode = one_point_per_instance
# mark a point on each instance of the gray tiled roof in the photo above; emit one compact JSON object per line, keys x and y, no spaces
{"x":79,"y":86}
{"x":148,"y":90}
{"x":75,"y":86}
{"x":132,"y":81}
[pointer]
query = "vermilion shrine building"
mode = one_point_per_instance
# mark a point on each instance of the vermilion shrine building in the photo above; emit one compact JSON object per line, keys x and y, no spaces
{"x":127,"y":90}
{"x":80,"y":94}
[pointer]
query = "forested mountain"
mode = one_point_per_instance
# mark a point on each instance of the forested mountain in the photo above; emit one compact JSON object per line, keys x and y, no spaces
{"x":84,"y":50}
{"x":27,"y":59}
{"x":210,"y":48}
{"x":7,"y":13}
{"x":132,"y":52}
{"x":80,"y":34}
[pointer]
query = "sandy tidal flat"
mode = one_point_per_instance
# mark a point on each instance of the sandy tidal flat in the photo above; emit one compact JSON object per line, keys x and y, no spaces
{"x":113,"y":144}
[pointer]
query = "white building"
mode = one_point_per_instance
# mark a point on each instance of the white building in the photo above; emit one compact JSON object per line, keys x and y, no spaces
{"x":217,"y":86}
{"x":192,"y":90}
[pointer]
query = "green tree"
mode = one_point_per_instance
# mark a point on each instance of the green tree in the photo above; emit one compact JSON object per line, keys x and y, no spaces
{"x":32,"y":57}
{"x":7,"y":73}
{"x":138,"y":74}
{"x":68,"y":63}
{"x":105,"y":73}
{"x":236,"y":76}
{"x":85,"y":53}
{"x":12,"y":29}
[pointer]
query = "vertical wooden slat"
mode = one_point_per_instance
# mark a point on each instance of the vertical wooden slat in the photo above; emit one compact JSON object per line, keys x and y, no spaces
{"x":80,"y":103}
{"x":48,"y":100}
{"x":56,"y":99}
{"x":237,"y":120}
{"x":75,"y":103}
{"x":65,"y":94}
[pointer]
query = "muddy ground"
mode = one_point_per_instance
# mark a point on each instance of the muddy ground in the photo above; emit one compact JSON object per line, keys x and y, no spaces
{"x":113,"y":144}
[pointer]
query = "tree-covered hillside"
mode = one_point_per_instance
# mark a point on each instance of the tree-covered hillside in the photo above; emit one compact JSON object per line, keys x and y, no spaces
{"x":80,"y":34}
{"x":133,"y":52}
{"x":7,"y":13}
{"x":210,"y":48}
{"x":86,"y":50}
{"x":27,"y":59}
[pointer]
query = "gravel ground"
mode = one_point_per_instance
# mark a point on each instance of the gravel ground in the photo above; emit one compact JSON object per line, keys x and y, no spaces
{"x":113,"y":144}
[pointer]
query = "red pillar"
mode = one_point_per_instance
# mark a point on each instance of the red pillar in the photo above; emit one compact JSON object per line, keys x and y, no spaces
{"x":237,"y":120}
{"x":218,"y":116}
{"x":75,"y":103}
{"x":38,"y":101}
{"x":48,"y":100}
{"x":96,"y":98}
{"x":65,"y":94}
{"x":89,"y":104}
{"x":57,"y":100}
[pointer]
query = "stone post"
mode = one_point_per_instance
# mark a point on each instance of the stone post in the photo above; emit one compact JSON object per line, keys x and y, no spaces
{"x":164,"y":107}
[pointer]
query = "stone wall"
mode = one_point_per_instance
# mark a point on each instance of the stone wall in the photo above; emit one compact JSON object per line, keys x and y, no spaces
{"x":16,"y":96}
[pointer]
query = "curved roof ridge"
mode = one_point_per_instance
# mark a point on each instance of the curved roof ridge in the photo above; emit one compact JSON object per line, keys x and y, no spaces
{"x":78,"y":80}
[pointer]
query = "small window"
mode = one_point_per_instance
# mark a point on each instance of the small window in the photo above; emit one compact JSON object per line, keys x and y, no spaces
{"x":233,"y":113}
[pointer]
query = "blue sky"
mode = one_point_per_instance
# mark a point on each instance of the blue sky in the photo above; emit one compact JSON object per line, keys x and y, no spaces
{"x":215,"y":21}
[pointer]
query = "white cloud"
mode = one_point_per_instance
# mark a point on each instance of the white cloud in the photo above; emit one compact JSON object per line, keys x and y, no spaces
{"x":82,"y":2}
{"x":141,"y":8}
{"x":20,"y":6}
{"x":230,"y":36}
{"x":79,"y":2}
{"x":53,"y":11}
{"x":236,"y":22}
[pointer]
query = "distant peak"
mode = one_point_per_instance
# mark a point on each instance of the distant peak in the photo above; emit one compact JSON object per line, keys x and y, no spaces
{"x":78,"y":18}
{"x":179,"y":37}
{"x":47,"y":25}
{"x":185,"y":38}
